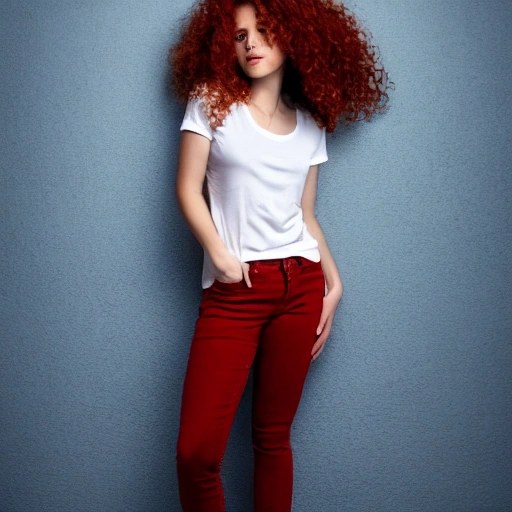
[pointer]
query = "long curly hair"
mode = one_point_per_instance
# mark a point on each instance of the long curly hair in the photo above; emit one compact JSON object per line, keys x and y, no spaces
{"x":333,"y":70}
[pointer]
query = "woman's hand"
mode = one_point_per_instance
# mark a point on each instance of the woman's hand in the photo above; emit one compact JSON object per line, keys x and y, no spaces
{"x":331,"y":301}
{"x":228,"y":269}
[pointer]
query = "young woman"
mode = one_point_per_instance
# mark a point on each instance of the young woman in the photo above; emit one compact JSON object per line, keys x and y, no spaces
{"x":264,"y":80}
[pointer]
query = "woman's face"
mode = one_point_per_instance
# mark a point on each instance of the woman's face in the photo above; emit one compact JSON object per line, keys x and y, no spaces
{"x":254,"y":54}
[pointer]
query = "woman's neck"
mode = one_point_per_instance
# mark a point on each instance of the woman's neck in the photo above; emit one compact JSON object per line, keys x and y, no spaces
{"x":266,"y":93}
{"x":281,"y":120}
{"x":267,"y":107}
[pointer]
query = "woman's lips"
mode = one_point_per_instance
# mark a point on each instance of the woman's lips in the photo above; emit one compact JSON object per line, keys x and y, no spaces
{"x":253,"y":59}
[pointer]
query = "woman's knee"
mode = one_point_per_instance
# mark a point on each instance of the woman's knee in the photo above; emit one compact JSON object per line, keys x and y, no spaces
{"x":271,"y":437}
{"x":198,"y":456}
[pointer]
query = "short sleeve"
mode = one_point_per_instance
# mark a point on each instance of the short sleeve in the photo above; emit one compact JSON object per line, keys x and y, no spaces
{"x":195,"y":119}
{"x":320,"y":154}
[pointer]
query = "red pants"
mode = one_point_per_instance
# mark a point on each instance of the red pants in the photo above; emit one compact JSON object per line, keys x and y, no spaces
{"x":273,"y":324}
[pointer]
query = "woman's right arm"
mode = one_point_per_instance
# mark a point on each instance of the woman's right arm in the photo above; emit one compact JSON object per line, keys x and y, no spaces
{"x":192,"y":161}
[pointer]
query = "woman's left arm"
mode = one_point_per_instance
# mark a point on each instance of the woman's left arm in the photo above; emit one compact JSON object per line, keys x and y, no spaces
{"x":332,"y":277}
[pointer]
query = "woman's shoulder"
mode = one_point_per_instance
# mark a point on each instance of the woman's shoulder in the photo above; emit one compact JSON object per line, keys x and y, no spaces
{"x":200,"y":98}
{"x":197,"y":115}
{"x":308,"y":122}
{"x":315,"y":136}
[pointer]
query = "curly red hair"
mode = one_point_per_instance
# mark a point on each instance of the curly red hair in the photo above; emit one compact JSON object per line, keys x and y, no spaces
{"x":333,"y":70}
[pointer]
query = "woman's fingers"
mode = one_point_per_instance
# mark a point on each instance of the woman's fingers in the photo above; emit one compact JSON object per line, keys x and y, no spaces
{"x":324,"y":327}
{"x":321,"y":325}
{"x":245,"y":271}
{"x":318,"y":352}
{"x":320,"y":342}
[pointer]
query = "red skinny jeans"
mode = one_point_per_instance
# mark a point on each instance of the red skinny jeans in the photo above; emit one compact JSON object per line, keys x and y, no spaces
{"x":272,"y":324}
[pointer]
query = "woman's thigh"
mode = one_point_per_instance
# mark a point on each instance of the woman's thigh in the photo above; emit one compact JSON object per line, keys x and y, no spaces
{"x":284,"y":354}
{"x":223,"y":348}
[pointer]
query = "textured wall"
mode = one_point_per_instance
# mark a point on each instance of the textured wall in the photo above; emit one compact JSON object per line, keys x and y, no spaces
{"x":409,"y":407}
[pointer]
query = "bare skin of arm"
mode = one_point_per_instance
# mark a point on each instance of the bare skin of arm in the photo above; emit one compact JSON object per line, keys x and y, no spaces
{"x":192,"y":160}
{"x":333,"y":282}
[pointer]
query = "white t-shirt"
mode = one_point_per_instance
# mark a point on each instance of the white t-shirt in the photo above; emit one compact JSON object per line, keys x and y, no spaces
{"x":255,"y":181}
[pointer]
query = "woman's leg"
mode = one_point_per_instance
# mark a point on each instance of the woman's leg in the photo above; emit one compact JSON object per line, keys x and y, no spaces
{"x":222,"y":351}
{"x":280,"y":370}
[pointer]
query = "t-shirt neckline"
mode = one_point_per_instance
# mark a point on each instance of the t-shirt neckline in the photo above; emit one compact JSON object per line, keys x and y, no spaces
{"x":267,"y":133}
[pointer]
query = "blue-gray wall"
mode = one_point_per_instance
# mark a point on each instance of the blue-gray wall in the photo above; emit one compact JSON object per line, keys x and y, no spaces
{"x":409,"y":407}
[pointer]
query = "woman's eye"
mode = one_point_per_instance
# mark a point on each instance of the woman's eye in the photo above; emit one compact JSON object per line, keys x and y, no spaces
{"x":262,"y":30}
{"x":240,"y":37}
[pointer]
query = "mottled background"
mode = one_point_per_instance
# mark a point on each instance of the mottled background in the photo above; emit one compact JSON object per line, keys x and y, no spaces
{"x":409,"y":408}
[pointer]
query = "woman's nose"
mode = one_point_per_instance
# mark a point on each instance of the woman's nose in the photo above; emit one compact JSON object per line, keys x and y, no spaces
{"x":252,"y":41}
